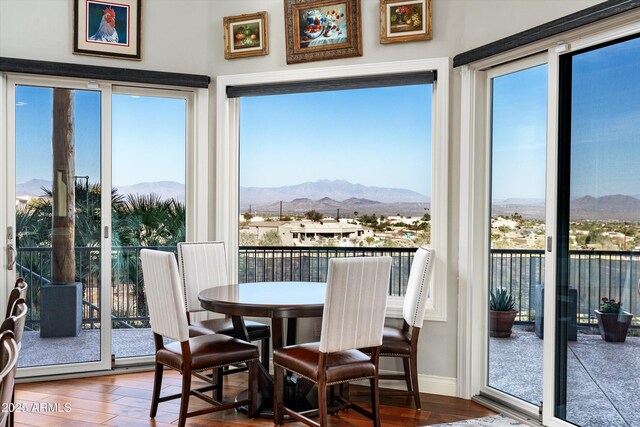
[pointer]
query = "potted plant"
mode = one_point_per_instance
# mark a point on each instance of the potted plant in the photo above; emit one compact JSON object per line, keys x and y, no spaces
{"x":613,"y":321}
{"x":501,"y":314}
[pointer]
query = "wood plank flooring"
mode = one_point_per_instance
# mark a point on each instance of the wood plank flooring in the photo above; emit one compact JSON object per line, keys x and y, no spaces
{"x":124,"y":400}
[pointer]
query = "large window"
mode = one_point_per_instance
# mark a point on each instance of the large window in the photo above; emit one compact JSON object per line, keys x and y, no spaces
{"x":351,"y":171}
{"x":344,"y":169}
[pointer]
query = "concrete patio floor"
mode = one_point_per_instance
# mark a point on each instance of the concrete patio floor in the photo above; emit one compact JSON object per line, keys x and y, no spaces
{"x":603,"y":378}
{"x":38,"y":351}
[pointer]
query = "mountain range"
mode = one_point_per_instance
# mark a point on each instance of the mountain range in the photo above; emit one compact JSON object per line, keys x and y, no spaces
{"x":327,"y":196}
{"x":336,"y":189}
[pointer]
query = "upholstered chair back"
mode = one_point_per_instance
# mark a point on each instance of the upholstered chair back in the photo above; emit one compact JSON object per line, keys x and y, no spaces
{"x":8,"y":365}
{"x":19,"y":314}
{"x":355,"y":303}
{"x":164,"y":294}
{"x":202,"y":265}
{"x":418,"y":287}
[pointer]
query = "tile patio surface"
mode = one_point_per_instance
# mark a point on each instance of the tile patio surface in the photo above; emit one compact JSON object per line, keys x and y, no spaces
{"x":603,"y":378}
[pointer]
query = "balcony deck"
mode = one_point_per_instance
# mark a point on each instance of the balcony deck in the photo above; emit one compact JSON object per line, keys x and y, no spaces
{"x":38,"y":351}
{"x":602,"y":377}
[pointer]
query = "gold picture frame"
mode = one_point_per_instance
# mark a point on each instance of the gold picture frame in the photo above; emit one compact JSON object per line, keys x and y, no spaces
{"x":246,"y":35}
{"x":405,"y":20}
{"x":322,"y":29}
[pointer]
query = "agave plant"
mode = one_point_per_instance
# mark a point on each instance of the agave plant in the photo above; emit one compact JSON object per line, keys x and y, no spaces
{"x":501,"y":300}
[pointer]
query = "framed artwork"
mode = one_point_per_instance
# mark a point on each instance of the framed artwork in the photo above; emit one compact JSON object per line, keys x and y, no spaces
{"x":322,"y":29}
{"x":246,"y":35}
{"x":405,"y":20}
{"x":107,"y":28}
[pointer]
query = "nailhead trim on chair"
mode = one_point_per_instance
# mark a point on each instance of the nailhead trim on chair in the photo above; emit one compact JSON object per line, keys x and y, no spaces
{"x":424,"y":273}
{"x":214,"y":367}
{"x":315,"y":381}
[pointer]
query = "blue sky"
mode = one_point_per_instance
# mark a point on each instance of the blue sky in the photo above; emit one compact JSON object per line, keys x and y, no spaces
{"x":148,"y":136}
{"x":605,"y":142}
{"x":605,"y":149}
{"x":376,"y":137}
{"x":519,"y":137}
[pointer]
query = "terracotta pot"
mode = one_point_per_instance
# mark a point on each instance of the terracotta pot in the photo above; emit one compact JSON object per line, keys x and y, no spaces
{"x":501,"y":322}
{"x":613,"y":326}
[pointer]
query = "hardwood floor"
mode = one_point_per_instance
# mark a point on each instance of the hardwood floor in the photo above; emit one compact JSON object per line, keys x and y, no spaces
{"x":124,"y":400}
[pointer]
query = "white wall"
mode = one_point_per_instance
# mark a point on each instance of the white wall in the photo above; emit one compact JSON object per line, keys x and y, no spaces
{"x":186,"y":36}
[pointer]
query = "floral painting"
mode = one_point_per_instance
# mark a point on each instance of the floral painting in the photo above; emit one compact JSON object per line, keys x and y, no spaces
{"x":323,"y":26}
{"x":322,"y":29}
{"x":405,"y":20}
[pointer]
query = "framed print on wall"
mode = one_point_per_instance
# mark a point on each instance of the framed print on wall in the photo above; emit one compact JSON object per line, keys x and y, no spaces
{"x":405,"y":20}
{"x":107,"y":28}
{"x":322,"y":29}
{"x":246,"y":35}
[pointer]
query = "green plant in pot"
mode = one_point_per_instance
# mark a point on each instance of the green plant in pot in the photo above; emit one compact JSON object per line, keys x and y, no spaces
{"x":501,"y":313}
{"x":613,"y":321}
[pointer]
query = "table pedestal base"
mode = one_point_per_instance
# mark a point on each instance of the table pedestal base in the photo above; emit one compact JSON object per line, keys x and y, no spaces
{"x":299,"y":395}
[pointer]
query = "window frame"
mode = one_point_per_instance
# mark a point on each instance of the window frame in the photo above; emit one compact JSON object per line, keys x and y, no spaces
{"x":227,"y":162}
{"x":475,"y":111}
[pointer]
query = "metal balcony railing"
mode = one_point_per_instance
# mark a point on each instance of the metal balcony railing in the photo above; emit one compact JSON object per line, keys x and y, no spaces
{"x":593,"y":273}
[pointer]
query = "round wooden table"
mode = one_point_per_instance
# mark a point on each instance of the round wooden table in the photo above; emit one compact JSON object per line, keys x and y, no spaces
{"x":277,"y":301}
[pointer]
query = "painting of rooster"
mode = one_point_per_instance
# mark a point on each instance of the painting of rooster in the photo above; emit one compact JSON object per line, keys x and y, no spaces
{"x":107,"y":29}
{"x":107,"y":22}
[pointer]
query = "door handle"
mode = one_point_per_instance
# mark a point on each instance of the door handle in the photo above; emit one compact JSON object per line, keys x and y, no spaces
{"x":11,"y":256}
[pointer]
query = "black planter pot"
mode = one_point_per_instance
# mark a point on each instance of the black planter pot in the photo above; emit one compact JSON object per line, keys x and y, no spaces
{"x":614,"y":326}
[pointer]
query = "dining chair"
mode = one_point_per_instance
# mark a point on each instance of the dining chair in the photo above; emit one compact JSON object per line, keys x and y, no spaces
{"x":19,"y":291}
{"x":8,"y":363}
{"x":188,"y":355}
{"x":403,"y":342}
{"x":353,"y":317}
{"x":203,"y":265}
{"x":15,"y":323}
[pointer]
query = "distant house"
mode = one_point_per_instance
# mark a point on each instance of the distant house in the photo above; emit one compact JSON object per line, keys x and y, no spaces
{"x":308,"y":233}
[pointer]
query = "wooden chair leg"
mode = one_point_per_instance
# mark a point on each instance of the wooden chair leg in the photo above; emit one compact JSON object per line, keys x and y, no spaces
{"x":407,"y":372}
{"x":278,"y":395}
{"x":219,"y":383}
{"x":414,"y":381}
{"x":253,"y":389}
{"x":184,"y":399}
{"x":157,"y":385}
{"x":322,"y":402}
{"x":264,"y":357}
{"x":375,"y":401}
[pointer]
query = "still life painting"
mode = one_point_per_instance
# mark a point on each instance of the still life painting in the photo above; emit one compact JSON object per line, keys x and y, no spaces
{"x":107,"y":28}
{"x":245,"y":35}
{"x":324,"y":29}
{"x":405,"y":20}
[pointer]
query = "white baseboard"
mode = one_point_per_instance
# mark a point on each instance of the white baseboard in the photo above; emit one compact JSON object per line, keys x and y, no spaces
{"x":445,"y":386}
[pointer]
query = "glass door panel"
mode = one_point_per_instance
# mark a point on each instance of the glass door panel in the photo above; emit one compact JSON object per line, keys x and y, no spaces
{"x":517,"y":232}
{"x":599,"y":236}
{"x":58,"y":220}
{"x":148,"y":204}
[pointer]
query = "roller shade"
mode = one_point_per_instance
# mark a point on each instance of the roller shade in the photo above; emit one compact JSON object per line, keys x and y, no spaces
{"x":402,"y":79}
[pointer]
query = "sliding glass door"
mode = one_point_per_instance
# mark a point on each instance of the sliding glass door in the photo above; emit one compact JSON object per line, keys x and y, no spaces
{"x":55,"y":238}
{"x":562,"y":233}
{"x":68,"y":142}
{"x":149,"y":202}
{"x":598,"y":277}
{"x":516,"y":229}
